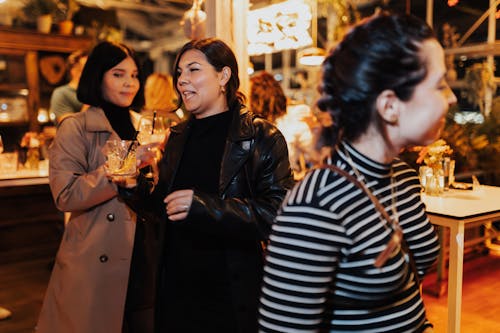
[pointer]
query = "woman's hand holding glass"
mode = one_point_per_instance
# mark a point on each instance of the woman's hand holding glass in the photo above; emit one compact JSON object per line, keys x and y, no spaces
{"x":121,"y":162}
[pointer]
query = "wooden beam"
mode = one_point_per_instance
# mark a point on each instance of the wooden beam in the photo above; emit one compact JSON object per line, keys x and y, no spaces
{"x":476,"y":50}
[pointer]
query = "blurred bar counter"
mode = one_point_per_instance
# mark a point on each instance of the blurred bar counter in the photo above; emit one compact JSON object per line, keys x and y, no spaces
{"x":30,"y":225}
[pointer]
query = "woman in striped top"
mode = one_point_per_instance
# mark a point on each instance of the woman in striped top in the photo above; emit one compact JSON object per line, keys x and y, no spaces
{"x":384,"y":87}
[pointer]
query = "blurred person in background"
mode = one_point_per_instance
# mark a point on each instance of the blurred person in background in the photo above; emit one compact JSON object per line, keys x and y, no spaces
{"x":100,"y":269}
{"x":352,"y":240}
{"x":295,"y":121}
{"x":64,"y":101}
{"x":160,"y":97}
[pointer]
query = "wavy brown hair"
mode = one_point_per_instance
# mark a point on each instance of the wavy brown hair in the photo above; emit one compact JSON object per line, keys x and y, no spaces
{"x":267,"y":98}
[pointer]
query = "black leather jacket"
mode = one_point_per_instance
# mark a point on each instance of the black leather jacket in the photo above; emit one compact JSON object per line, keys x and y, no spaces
{"x":254,"y":177}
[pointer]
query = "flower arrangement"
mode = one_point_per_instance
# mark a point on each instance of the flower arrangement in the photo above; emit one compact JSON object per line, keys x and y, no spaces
{"x":432,"y":155}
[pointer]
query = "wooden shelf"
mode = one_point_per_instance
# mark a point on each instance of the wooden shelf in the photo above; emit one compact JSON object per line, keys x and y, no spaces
{"x":28,"y":40}
{"x":32,"y":46}
{"x":12,"y":86}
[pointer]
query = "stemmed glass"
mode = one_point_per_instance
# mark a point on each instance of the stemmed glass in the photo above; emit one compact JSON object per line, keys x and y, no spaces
{"x":151,"y":135}
{"x":152,"y":129}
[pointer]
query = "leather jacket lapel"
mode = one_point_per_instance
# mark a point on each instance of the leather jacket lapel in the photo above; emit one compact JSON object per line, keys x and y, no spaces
{"x":178,"y":137}
{"x":238,"y":147}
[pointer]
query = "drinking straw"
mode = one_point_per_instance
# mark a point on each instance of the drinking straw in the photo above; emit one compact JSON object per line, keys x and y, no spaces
{"x":129,"y":149}
{"x":154,"y":120}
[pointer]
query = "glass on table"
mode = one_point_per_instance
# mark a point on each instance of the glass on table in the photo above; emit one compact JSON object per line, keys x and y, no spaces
{"x":449,"y":172}
{"x":424,"y":173}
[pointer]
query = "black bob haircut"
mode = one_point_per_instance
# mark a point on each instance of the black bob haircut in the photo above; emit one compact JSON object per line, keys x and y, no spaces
{"x":102,"y":58}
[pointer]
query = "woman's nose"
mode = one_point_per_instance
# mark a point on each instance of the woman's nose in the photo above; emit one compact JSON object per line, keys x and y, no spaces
{"x":182,"y":79}
{"x":130,"y":82}
{"x":452,"y":98}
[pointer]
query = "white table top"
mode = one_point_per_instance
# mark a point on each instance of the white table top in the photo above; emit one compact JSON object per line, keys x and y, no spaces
{"x":464,"y":203}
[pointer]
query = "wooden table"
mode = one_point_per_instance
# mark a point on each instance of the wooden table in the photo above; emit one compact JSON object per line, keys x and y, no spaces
{"x":455,"y":209}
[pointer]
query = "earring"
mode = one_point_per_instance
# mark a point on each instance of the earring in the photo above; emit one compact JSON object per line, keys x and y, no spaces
{"x":223,"y":89}
{"x":393,"y":120}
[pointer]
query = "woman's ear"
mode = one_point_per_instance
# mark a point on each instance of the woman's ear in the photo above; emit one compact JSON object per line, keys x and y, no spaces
{"x":225,"y":75}
{"x":388,"y":106}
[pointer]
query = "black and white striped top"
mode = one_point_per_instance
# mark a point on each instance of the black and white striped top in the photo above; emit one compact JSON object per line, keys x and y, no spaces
{"x":319,"y":273}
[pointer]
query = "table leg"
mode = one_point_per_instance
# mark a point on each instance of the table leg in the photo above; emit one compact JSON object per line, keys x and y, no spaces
{"x":441,"y":263}
{"x":455,"y":276}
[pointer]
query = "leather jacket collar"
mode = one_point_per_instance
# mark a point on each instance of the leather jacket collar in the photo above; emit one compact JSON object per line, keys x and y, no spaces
{"x":241,"y":127}
{"x":238,"y":146}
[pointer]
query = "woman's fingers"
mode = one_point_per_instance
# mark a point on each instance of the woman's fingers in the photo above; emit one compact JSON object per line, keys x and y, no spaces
{"x":178,"y":204}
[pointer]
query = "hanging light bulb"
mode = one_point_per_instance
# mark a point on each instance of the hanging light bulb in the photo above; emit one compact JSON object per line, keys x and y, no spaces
{"x":194,"y":21}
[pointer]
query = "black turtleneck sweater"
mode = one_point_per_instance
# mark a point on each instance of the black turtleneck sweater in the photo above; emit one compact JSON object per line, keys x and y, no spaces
{"x":196,"y":281}
{"x":119,"y":119}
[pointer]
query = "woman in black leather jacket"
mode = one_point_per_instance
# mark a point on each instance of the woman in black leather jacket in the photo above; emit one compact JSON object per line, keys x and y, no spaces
{"x":223,"y":176}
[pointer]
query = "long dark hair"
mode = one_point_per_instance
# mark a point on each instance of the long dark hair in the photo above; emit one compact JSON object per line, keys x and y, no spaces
{"x":219,"y":55}
{"x":380,"y":53}
{"x":102,"y":58}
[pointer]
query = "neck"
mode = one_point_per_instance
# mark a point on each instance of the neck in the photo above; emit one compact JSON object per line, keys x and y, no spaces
{"x":375,"y":146}
{"x":73,"y":84}
{"x":219,"y":106}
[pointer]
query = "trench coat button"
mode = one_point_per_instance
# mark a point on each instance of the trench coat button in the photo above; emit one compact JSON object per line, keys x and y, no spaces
{"x":110,"y":217}
{"x":103,"y":258}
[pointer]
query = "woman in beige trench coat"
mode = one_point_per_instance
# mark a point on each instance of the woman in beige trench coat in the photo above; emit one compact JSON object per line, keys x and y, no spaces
{"x":88,"y":287}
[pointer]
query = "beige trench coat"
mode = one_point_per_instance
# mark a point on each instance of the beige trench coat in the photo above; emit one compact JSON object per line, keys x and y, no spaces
{"x":87,"y":288}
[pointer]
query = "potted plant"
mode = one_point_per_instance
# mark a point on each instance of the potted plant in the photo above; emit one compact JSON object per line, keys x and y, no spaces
{"x":43,"y":11}
{"x":66,"y":10}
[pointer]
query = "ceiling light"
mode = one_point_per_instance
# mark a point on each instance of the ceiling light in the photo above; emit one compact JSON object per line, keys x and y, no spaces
{"x":312,"y":56}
